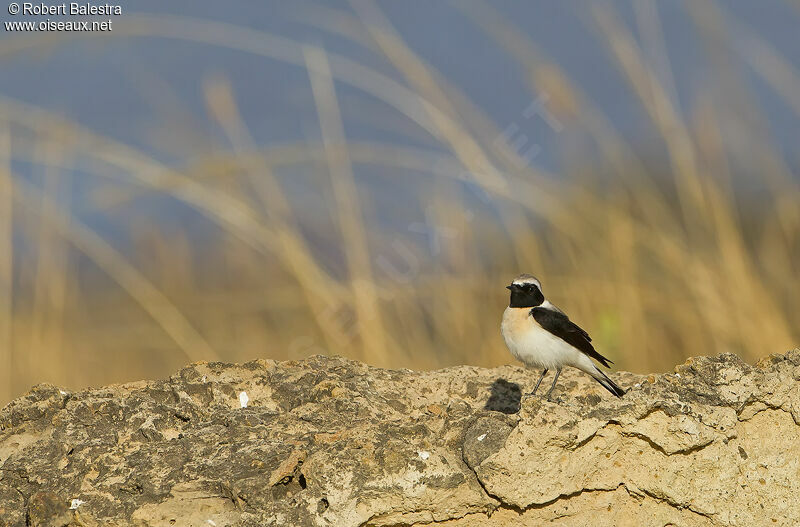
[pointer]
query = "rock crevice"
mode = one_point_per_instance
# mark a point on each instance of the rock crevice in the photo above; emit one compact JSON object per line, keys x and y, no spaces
{"x":332,"y":442}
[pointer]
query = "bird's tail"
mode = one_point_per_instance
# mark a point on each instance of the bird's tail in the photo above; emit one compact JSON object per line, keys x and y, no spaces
{"x":607,"y":383}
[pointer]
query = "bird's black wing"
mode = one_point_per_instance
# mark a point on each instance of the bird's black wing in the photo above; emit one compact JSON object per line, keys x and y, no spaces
{"x":562,"y":327}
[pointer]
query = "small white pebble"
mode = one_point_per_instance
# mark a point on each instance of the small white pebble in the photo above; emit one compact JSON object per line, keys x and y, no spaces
{"x":203,"y":379}
{"x":481,"y":437}
{"x":423,"y":455}
{"x":76,"y":503}
{"x":637,"y":385}
{"x":211,"y":523}
{"x":678,"y":375}
{"x":62,"y":392}
{"x":243,"y":399}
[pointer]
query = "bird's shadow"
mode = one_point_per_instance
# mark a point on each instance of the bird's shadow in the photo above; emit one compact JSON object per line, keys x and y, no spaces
{"x":505,"y":397}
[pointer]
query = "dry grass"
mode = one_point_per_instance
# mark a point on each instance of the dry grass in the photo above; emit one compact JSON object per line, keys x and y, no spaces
{"x":391,"y":254}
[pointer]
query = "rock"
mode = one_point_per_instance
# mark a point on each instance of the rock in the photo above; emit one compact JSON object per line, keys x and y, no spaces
{"x":45,"y":509}
{"x":333,"y":442}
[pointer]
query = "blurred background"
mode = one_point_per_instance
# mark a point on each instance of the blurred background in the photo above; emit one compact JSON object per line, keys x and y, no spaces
{"x":235,"y":180}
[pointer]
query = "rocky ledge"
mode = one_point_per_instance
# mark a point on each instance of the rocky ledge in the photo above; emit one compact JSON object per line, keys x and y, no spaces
{"x":333,"y":442}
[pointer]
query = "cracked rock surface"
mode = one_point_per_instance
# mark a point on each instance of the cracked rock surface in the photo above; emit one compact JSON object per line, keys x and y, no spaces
{"x":333,"y":442}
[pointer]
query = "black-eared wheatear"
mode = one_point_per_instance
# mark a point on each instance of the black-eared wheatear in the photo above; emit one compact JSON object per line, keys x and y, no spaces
{"x":542,"y":336}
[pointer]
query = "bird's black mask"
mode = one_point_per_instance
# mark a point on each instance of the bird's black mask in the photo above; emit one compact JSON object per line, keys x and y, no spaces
{"x":525,"y":295}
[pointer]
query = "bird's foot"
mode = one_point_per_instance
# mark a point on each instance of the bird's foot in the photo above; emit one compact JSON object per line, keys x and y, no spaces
{"x":529,"y":395}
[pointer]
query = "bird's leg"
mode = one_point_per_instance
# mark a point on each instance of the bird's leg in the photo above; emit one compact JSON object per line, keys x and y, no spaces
{"x":555,"y":380}
{"x":538,"y":382}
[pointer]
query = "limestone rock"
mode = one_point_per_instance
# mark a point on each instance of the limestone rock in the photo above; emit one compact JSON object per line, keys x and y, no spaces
{"x":333,"y":442}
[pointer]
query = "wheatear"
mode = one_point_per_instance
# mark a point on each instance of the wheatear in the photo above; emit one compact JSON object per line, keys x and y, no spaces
{"x":542,"y":336}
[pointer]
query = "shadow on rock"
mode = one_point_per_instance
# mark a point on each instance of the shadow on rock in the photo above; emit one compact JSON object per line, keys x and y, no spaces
{"x":505,"y":397}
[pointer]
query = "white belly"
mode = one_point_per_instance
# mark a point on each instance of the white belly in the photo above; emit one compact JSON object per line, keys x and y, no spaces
{"x":535,"y":346}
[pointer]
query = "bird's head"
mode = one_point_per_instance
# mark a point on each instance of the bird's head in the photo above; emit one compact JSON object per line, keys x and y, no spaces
{"x":526,"y":291}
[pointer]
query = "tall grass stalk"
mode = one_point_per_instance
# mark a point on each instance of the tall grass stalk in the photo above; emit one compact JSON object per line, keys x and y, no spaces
{"x":6,"y":266}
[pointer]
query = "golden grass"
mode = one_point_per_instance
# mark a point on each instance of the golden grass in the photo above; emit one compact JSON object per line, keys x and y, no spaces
{"x":658,"y":262}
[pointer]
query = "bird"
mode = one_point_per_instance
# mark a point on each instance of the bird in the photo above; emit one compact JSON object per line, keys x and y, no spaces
{"x":540,"y":335}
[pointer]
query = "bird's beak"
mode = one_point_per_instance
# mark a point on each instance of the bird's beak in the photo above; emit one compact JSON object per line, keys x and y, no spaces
{"x":509,"y":287}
